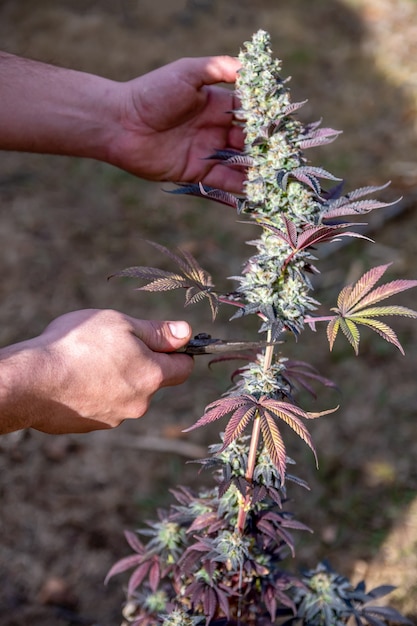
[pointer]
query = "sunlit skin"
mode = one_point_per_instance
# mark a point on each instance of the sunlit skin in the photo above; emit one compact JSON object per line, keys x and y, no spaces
{"x":173,"y":116}
{"x":158,"y":126}
{"x":93,"y":369}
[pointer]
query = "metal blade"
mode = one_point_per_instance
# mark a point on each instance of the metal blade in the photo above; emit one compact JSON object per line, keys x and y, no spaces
{"x":205,"y":344}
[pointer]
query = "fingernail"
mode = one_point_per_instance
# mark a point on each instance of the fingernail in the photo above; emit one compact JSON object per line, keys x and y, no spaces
{"x":179,"y":330}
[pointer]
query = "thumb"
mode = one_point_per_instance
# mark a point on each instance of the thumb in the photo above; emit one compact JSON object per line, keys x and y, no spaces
{"x":163,"y":336}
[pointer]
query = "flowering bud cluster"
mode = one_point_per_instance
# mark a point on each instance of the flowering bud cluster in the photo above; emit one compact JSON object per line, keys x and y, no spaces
{"x":273,"y":140}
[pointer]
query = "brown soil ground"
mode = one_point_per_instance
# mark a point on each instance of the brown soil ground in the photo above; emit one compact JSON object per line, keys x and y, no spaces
{"x":67,"y":224}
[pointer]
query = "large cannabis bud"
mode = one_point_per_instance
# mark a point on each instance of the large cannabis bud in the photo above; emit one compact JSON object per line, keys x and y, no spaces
{"x":283,"y":192}
{"x":215,"y":557}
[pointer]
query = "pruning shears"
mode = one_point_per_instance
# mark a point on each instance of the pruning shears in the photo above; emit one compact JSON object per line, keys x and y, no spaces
{"x":203,"y":343}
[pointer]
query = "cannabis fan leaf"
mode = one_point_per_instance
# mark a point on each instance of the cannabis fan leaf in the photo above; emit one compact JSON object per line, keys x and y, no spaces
{"x":308,"y":237}
{"x":355,"y":306}
{"x":245,"y":408}
{"x":306,"y":174}
{"x":191,"y":276}
{"x":336,"y":206}
{"x":211,"y":193}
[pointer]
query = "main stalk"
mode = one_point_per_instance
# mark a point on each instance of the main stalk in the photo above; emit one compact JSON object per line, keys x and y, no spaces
{"x":253,"y":449}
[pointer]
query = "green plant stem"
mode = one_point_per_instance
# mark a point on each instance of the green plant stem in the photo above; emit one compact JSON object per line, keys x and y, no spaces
{"x":253,"y":447}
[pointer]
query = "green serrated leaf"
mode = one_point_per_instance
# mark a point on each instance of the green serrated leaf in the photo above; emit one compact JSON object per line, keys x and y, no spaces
{"x":385,"y":310}
{"x":351,"y":332}
{"x":382,"y":329}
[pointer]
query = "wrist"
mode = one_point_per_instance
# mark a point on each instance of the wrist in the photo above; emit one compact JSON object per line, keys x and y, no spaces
{"x":92,"y":117}
{"x":23,"y":381}
{"x":84,"y":121}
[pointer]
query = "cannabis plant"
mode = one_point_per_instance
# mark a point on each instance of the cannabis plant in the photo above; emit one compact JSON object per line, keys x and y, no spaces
{"x":218,"y":556}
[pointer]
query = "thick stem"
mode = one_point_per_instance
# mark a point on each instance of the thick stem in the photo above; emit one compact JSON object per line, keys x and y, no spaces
{"x":253,"y":448}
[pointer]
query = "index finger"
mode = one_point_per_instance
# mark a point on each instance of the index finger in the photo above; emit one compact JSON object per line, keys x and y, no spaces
{"x":175,"y":368}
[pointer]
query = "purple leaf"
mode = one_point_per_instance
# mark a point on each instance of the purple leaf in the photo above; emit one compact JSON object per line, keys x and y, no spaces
{"x":121,"y":566}
{"x":221,"y":407}
{"x":224,"y":155}
{"x":355,"y":208}
{"x":138,"y":576}
{"x":224,"y":197}
{"x":212,"y":193}
{"x":310,"y":181}
{"x":317,"y":172}
{"x":209,"y":604}
{"x":232,"y":157}
{"x":273,"y":442}
{"x":305,"y":144}
{"x":318,"y":137}
{"x":237,"y":424}
{"x":154,"y":576}
{"x":292,"y":107}
{"x":358,"y":193}
{"x":373,"y":613}
{"x":134,"y":542}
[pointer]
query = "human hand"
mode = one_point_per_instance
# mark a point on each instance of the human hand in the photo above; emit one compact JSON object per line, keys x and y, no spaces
{"x":92,"y":369}
{"x":173,"y":117}
{"x":159,"y":126}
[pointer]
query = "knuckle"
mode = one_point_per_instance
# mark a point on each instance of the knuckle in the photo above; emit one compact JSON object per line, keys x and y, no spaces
{"x":110,"y":315}
{"x":158,"y":378}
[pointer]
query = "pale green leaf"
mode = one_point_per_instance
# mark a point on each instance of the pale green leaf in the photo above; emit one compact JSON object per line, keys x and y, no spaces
{"x":384,"y":310}
{"x":351,"y":332}
{"x":382,"y":329}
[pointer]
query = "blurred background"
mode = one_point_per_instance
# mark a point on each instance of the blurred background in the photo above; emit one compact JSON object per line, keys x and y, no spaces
{"x":66,"y":224}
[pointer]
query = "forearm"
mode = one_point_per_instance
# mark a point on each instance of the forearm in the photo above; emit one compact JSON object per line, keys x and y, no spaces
{"x":23,"y":379}
{"x":54,"y":110}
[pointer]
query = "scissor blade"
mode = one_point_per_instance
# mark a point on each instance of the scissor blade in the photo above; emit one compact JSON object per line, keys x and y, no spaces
{"x":222,"y":347}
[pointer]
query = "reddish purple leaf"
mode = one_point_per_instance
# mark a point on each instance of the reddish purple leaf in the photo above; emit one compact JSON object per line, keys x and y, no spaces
{"x":121,"y":566}
{"x":134,"y":542}
{"x":138,"y":577}
{"x":292,"y":107}
{"x":154,"y":575}
{"x":237,"y":424}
